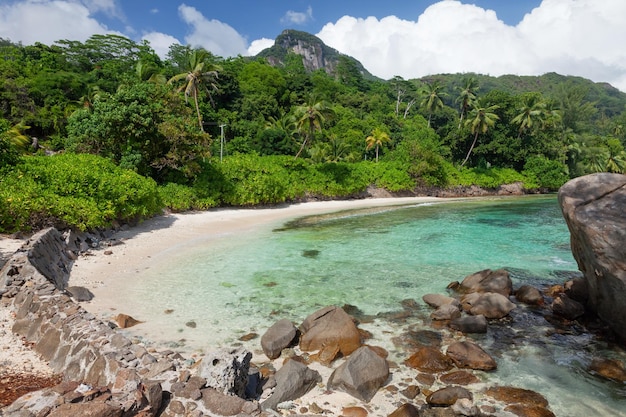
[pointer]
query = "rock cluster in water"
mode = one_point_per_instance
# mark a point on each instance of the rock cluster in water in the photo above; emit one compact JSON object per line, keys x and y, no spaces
{"x":107,"y":374}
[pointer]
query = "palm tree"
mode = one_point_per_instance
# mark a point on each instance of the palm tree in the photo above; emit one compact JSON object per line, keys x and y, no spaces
{"x":310,"y":118}
{"x":148,"y":71}
{"x":378,"y":138}
{"x":482,"y":119}
{"x":432,"y":100}
{"x":197,"y":70}
{"x":532,"y":112}
{"x":467,"y":96}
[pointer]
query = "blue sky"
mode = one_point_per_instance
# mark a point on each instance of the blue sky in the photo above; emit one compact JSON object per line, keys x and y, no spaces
{"x":390,"y":37}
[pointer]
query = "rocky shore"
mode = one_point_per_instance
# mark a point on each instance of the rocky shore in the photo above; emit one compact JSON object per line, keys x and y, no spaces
{"x":326,"y":365}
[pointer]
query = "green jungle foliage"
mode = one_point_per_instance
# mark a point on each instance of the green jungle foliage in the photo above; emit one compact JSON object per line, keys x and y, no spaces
{"x":194,"y":130}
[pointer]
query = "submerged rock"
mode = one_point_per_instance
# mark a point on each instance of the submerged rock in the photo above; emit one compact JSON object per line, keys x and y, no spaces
{"x":470,"y":355}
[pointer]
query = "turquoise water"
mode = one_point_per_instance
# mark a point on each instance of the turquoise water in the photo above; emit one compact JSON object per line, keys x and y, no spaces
{"x":374,"y":259}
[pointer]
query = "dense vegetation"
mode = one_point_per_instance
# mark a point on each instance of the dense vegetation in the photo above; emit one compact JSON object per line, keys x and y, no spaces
{"x":103,"y":131}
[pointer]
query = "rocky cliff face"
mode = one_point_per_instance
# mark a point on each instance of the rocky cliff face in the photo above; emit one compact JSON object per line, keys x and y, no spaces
{"x":315,"y":53}
{"x":594,"y":208}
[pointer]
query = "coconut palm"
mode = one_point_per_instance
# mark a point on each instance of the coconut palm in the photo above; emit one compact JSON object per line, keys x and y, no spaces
{"x":467,"y":96}
{"x":378,"y":138}
{"x":482,"y":119}
{"x":197,"y":72}
{"x":310,"y":118}
{"x":432,"y":100}
{"x":148,"y":71}
{"x":532,"y":113}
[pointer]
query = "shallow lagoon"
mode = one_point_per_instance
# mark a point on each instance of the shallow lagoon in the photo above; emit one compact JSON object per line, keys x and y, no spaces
{"x":374,"y":259}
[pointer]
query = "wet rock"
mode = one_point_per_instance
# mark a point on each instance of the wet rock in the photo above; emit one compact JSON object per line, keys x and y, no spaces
{"x":361,"y":375}
{"x":593,"y":208}
{"x":438,"y":300}
{"x":293,"y":380}
{"x":577,"y":290}
{"x":80,"y":294}
{"x":405,"y":410}
{"x":411,"y":391}
{"x":278,"y":337}
{"x":446,"y":312}
{"x":514,"y":395}
{"x":330,"y":326}
{"x":459,"y":378}
{"x":612,"y":369}
{"x":429,"y":360}
{"x":525,"y":410}
{"x":487,"y":280}
{"x":125,"y":321}
{"x":226,"y":370}
{"x":416,"y":338}
{"x":490,"y":304}
{"x":465,"y":407}
{"x":530,"y":295}
{"x":447,"y":396}
{"x":470,"y":324}
{"x":469,"y":355}
{"x":566,"y":307}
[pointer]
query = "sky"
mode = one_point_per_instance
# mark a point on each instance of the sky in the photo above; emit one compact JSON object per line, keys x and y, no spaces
{"x":407,"y":38}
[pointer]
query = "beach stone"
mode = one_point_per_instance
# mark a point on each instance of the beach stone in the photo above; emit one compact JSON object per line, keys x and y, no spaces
{"x":593,"y":208}
{"x":293,"y":380}
{"x":405,"y":410}
{"x":514,"y":395}
{"x":438,"y":300}
{"x":353,"y":412}
{"x":361,"y":375}
{"x":46,"y":252}
{"x":530,"y":295}
{"x":468,"y":354}
{"x":612,"y":369}
{"x":278,"y":337}
{"x":459,"y":378}
{"x":465,"y":407}
{"x":80,"y":293}
{"x":490,"y":304}
{"x":330,"y":326}
{"x":497,"y":281}
{"x":415,"y":338}
{"x":429,"y":360}
{"x":88,"y":409}
{"x":470,"y":324}
{"x":577,"y":290}
{"x":125,"y":321}
{"x":227,"y":405}
{"x":447,"y":396}
{"x":525,"y":410}
{"x":566,"y":307}
{"x":226,"y":370}
{"x":446,"y":312}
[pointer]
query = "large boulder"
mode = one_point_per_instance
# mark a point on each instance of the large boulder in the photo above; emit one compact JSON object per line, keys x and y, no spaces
{"x":429,"y":360}
{"x":293,"y":380}
{"x":487,"y":280}
{"x":278,"y":337}
{"x":330,"y":328}
{"x":226,"y":370}
{"x":469,"y":324}
{"x":490,"y":304}
{"x":593,"y":207}
{"x":469,"y":355}
{"x":361,"y":375}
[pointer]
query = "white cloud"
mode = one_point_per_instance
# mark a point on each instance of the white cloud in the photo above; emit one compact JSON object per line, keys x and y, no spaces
{"x":213,"y":35}
{"x":260,"y":44}
{"x":574,"y":37}
{"x":46,"y":22}
{"x":108,"y":7}
{"x":160,"y":42}
{"x":298,"y":18}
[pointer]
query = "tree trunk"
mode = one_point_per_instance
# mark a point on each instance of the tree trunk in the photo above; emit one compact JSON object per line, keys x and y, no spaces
{"x":195,"y":99}
{"x":470,"y":149}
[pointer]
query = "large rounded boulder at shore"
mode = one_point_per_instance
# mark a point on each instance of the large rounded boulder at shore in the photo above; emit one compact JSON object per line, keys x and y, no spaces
{"x":594,"y":207}
{"x":330,"y":328}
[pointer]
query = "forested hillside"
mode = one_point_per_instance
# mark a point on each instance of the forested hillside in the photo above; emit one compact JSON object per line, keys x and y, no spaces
{"x":198,"y":130}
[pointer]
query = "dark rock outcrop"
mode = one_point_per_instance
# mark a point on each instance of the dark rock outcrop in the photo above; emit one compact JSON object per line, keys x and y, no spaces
{"x":594,"y":209}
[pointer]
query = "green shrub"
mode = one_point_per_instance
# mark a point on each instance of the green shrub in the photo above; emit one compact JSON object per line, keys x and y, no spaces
{"x":546,"y":173}
{"x":76,"y":191}
{"x":178,"y":197}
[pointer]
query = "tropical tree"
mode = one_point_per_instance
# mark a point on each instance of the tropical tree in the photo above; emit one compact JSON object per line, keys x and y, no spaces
{"x":377,"y":139}
{"x":482,"y":119}
{"x":432,"y":100}
{"x":150,"y":72}
{"x":467,"y":96}
{"x":310,"y":118}
{"x":197,"y":72}
{"x":531,"y":113}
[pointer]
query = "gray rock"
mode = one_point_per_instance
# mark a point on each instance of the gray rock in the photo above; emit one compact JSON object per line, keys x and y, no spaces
{"x":593,"y":208}
{"x":361,"y":375}
{"x":487,"y":280}
{"x":278,"y":337}
{"x":293,"y":380}
{"x":491,"y":305}
{"x":530,"y":295}
{"x":438,"y":300}
{"x":446,"y":312}
{"x":470,"y":324}
{"x":80,"y":293}
{"x":226,"y":370}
